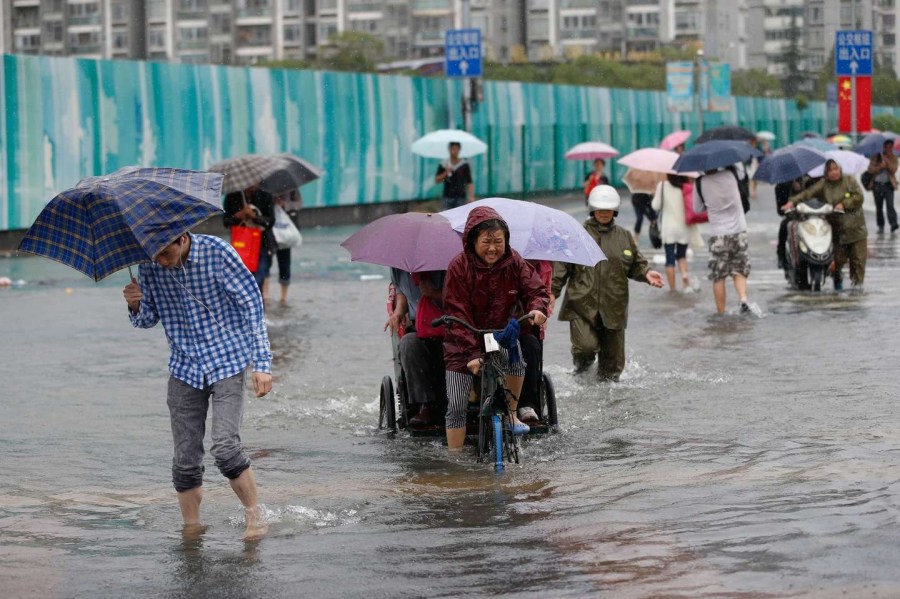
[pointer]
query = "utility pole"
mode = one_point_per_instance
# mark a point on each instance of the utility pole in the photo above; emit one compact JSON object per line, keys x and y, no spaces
{"x":698,"y":81}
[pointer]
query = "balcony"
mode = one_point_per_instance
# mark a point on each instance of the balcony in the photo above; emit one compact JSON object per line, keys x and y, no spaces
{"x":87,"y":49}
{"x":429,"y":38}
{"x":579,"y":34}
{"x":564,"y":4}
{"x":420,"y":5}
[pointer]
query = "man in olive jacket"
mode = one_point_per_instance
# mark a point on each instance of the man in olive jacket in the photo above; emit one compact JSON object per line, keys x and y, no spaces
{"x":596,"y":304}
{"x":849,"y":229}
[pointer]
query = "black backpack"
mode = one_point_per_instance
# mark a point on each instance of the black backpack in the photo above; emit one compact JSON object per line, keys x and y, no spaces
{"x":743,"y":187}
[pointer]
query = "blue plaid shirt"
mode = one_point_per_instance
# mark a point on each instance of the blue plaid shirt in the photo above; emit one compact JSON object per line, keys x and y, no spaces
{"x":211,"y":344}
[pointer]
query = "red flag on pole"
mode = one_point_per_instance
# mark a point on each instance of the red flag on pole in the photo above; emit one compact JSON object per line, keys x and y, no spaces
{"x":845,"y":99}
{"x":863,"y":103}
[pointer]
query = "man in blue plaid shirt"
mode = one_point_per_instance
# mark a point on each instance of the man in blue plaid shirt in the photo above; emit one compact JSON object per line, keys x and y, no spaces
{"x":212,"y":312}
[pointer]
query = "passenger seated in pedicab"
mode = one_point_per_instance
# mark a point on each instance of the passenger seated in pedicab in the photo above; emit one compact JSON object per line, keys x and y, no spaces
{"x":422,"y":352}
{"x":532,"y":342}
{"x":486,"y":285}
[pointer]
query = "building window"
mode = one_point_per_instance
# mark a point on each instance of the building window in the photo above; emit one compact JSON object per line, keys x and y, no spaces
{"x":156,"y":38}
{"x":85,"y":41}
{"x":53,"y":31}
{"x":120,"y":40}
{"x":83,"y":13}
{"x":292,"y":34}
{"x":119,"y":11}
{"x":219,"y":23}
{"x":26,"y":43}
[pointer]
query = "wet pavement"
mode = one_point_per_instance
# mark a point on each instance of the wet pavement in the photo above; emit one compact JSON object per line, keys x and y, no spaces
{"x":738,"y":456}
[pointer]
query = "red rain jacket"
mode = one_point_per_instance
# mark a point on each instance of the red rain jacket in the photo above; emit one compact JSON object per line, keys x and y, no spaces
{"x":486,"y":296}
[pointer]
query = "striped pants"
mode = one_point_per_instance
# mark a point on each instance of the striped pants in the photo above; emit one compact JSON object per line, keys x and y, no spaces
{"x":460,"y":383}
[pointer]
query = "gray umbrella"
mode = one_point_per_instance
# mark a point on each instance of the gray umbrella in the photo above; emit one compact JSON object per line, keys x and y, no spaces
{"x":246,"y":171}
{"x":293,"y":173}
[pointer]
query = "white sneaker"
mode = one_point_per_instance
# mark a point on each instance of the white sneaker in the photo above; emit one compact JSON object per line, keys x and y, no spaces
{"x":527,"y":415}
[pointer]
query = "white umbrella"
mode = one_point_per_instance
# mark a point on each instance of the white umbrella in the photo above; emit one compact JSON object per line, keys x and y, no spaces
{"x":436,"y":144}
{"x":851,"y":163}
{"x":591,"y":150}
{"x":536,"y":231}
{"x":765,"y":135}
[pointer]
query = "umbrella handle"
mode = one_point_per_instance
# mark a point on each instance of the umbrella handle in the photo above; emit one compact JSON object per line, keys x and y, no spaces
{"x":130,"y":274}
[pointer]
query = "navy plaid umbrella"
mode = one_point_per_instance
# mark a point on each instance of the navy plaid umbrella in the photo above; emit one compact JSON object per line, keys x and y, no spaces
{"x":714,"y":155}
{"x":111,"y":222}
{"x":788,"y":163}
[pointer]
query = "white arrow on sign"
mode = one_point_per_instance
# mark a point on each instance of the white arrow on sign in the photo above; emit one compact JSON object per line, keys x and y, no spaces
{"x":464,"y":67}
{"x":853,"y":66}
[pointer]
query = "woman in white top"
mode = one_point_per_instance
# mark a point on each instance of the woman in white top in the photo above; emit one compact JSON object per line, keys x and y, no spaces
{"x":674,"y":230}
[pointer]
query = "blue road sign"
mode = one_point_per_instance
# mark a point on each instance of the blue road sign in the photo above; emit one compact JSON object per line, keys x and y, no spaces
{"x":853,"y":53}
{"x":462,"y":53}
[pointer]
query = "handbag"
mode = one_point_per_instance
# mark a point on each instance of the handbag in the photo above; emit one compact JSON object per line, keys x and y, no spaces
{"x":287,"y":235}
{"x":247,"y":241}
{"x":868,"y":180}
{"x":690,"y":216}
{"x":655,"y":237}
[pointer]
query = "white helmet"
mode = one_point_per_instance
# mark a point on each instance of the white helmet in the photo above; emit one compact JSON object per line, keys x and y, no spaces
{"x":604,"y":197}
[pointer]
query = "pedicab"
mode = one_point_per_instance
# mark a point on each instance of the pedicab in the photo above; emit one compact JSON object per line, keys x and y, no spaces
{"x":418,"y":242}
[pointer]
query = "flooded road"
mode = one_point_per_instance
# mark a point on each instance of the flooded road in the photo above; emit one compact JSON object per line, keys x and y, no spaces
{"x":738,"y":456}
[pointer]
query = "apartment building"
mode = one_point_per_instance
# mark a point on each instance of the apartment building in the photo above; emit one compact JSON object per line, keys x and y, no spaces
{"x":90,"y":28}
{"x":773,"y":22}
{"x":744,"y":33}
{"x":885,"y":16}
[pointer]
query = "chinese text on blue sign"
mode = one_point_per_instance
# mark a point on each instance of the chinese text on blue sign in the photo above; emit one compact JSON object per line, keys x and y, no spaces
{"x":462,"y":53}
{"x":853,"y":53}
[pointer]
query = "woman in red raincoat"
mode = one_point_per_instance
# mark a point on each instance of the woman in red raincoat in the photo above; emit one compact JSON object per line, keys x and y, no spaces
{"x":484,"y":285}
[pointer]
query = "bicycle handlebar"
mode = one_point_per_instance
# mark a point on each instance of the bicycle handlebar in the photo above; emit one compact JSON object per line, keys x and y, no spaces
{"x":448,"y":319}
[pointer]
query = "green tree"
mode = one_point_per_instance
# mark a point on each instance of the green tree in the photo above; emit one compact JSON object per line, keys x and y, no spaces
{"x":351,"y":51}
{"x":886,"y":122}
{"x":755,"y":82}
{"x":591,"y":70}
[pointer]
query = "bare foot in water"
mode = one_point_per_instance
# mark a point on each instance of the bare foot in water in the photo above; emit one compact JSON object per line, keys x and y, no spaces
{"x":193,"y":532}
{"x":257,"y":527}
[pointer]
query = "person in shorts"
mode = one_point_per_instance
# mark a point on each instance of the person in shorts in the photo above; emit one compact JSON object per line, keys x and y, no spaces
{"x":456,"y":175}
{"x":719,"y":195}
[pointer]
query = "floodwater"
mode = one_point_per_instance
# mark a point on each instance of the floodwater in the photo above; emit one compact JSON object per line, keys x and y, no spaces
{"x":738,"y":456}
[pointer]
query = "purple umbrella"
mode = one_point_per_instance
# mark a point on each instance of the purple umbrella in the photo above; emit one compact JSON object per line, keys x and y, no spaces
{"x":413,"y":241}
{"x":536,"y":231}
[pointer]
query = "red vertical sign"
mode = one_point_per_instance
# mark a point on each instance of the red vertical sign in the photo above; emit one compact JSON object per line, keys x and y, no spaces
{"x":863,"y":103}
{"x":845,"y":99}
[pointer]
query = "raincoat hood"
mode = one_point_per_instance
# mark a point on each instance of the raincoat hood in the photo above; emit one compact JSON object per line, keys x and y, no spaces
{"x":476,"y":217}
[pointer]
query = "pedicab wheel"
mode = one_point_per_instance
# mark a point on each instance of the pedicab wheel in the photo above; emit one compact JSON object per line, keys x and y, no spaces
{"x":498,"y":442}
{"x":549,"y":396}
{"x":403,"y":420}
{"x":387,"y":414}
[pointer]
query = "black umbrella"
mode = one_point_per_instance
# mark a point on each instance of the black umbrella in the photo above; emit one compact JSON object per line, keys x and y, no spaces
{"x":714,"y":155}
{"x":726,"y":132}
{"x":294,"y":173}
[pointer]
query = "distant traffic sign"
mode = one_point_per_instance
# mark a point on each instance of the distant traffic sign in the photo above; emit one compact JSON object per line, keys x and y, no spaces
{"x":853,"y":53}
{"x":462,"y":53}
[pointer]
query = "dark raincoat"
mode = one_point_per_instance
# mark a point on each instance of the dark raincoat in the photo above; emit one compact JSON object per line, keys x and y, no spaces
{"x":486,"y":296}
{"x":851,"y":226}
{"x":602,"y":289}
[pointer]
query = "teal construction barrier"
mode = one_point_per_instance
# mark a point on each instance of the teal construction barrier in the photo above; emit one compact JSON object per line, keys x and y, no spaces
{"x":66,"y":118}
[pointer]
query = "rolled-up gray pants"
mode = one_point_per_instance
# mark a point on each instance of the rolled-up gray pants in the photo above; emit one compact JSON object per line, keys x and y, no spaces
{"x":187,"y":409}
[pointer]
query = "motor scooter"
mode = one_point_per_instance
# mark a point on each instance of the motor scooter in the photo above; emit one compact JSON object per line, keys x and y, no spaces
{"x":810,"y":246}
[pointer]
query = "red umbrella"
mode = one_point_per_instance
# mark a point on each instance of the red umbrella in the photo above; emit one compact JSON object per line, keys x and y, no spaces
{"x":413,"y":241}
